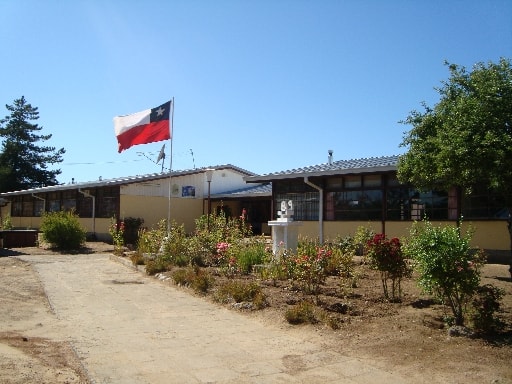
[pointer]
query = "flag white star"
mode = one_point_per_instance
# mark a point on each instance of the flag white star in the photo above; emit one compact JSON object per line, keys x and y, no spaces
{"x":160,"y":111}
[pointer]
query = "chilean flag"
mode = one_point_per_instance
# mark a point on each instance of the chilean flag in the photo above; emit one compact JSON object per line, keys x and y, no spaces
{"x":144,"y":127}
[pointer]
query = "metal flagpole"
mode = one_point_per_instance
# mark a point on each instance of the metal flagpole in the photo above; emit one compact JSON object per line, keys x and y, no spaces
{"x":170,"y":171}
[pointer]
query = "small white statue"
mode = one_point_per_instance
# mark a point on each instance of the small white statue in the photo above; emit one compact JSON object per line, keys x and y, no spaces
{"x":286,"y":212}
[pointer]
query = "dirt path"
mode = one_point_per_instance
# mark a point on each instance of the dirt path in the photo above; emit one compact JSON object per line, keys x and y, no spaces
{"x":32,"y":348}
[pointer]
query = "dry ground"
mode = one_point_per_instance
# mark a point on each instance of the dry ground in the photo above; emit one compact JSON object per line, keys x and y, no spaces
{"x":407,"y":337}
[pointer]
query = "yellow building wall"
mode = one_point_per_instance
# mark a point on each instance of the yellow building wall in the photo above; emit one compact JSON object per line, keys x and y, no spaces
{"x":487,"y":234}
{"x":492,"y":234}
{"x":154,"y":208}
{"x":25,"y":222}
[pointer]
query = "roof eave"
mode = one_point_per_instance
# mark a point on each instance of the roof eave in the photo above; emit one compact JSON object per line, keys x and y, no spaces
{"x":125,"y":180}
{"x":347,"y":171}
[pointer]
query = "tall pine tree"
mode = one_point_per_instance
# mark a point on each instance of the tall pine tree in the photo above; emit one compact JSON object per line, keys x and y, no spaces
{"x":23,"y":163}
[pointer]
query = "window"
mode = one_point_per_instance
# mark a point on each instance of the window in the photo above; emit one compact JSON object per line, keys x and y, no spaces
{"x":352,"y":181}
{"x":364,"y":197}
{"x":409,"y":204}
{"x":372,"y":181}
{"x":53,"y":202}
{"x":39,"y":207}
{"x":398,"y":204}
{"x":305,"y":205}
{"x":84,"y":206}
{"x":334,"y":184}
{"x":358,"y":197}
{"x":27,"y":206}
{"x":108,"y":202}
{"x":69,"y":200}
{"x":355,"y":205}
{"x":434,"y":204}
{"x":484,"y":204}
{"x":16,"y":206}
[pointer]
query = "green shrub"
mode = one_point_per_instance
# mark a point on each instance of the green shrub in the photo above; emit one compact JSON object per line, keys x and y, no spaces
{"x":251,"y":253}
{"x":341,"y":262}
{"x":7,"y":222}
{"x":447,"y":265}
{"x":62,"y":230}
{"x":150,"y":241}
{"x":218,"y":229}
{"x":197,"y":254}
{"x":175,"y":246}
{"x":360,"y":240}
{"x":302,"y":313}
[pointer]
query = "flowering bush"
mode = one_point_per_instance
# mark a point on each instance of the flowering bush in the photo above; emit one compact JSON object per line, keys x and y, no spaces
{"x":386,"y":256}
{"x":309,"y":266}
{"x":447,"y":265}
{"x":221,"y":256}
{"x":116,"y":230}
{"x":216,"y":229}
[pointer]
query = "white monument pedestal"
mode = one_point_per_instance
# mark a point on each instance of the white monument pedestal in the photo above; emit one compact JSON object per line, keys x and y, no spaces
{"x":285,"y":234}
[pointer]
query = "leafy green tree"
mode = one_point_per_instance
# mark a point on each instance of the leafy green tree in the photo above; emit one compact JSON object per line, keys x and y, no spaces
{"x":446,"y":264}
{"x":466,"y":138}
{"x":23,"y":163}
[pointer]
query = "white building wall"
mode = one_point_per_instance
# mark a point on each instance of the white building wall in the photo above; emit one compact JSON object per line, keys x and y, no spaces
{"x":223,"y":180}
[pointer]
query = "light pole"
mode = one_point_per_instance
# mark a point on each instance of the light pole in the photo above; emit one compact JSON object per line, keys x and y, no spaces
{"x":209,"y":176}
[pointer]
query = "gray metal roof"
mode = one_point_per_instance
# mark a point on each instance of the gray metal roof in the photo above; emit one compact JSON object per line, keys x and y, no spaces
{"x":124,"y":180}
{"x":260,"y":190}
{"x":365,"y":165}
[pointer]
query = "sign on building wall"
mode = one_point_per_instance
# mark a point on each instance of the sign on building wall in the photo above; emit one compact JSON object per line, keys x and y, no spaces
{"x":188,"y":191}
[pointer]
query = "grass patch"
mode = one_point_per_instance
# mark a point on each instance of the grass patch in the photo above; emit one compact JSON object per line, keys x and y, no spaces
{"x":194,"y":277}
{"x":239,"y":291}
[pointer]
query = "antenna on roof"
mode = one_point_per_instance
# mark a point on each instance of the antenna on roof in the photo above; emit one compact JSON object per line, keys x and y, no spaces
{"x":161,"y":156}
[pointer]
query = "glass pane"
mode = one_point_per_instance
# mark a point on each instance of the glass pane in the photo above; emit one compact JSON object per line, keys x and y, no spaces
{"x":305,"y":205}
{"x":27,"y":208}
{"x":353,"y":181}
{"x":393,"y":181}
{"x":38,"y":208}
{"x":372,"y":181}
{"x":69,"y":204}
{"x":334,"y":183}
{"x":16,"y":208}
{"x":54,"y":205}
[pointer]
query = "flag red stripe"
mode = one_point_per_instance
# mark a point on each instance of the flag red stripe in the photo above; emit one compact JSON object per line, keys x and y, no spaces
{"x":144,"y":134}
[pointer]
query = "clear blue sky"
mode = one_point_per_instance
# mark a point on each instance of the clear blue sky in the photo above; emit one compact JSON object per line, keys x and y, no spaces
{"x":265,"y":85}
